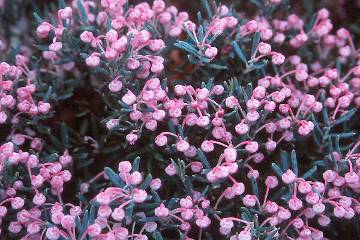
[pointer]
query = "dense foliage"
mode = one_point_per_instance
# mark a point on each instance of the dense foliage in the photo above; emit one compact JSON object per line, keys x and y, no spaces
{"x":138,"y":120}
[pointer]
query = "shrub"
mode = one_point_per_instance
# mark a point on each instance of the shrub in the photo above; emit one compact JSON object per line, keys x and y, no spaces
{"x":136,"y":121}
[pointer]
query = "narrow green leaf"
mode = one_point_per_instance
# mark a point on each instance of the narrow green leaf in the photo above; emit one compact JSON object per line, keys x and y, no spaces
{"x":48,"y":94}
{"x":157,"y":235}
{"x":277,"y":169}
{"x":346,"y":116}
{"x":344,"y":135}
{"x":136,"y":164}
{"x":278,"y":194}
{"x":284,"y":161}
{"x":130,"y":210}
{"x":255,"y":187}
{"x":217,"y":66}
{"x":113,"y":177}
{"x":84,"y":221}
{"x":325,"y":113}
{"x":309,"y":173}
{"x":186,"y":47}
{"x":146,"y":183}
{"x":257,"y":3}
{"x":52,"y":157}
{"x":203,"y":158}
{"x":245,"y":214}
{"x":62,"y":4}
{"x":190,"y":35}
{"x":206,"y":5}
{"x":255,"y":43}
{"x":78,"y":226}
{"x":294,"y":162}
{"x":64,"y":135}
{"x":92,"y":214}
{"x":82,"y":10}
{"x":38,"y":18}
{"x":239,"y":52}
{"x":259,"y":65}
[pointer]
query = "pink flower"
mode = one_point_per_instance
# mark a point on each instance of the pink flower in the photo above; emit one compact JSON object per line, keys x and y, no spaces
{"x":161,"y":211}
{"x":211,"y":52}
{"x":93,"y":230}
{"x":203,"y":222}
{"x":288,"y":177}
{"x":277,"y":59}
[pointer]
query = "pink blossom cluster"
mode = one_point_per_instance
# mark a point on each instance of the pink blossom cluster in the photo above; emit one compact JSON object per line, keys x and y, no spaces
{"x":39,"y":175}
{"x":214,"y":143}
{"x":17,"y":92}
{"x":128,"y":42}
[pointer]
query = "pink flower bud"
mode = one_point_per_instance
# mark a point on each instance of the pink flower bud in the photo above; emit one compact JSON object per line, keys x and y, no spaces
{"x":252,"y":147}
{"x":93,"y":230}
{"x":252,"y":116}
{"x":3,"y":211}
{"x":115,"y":86}
{"x":129,"y":98}
{"x":157,"y":67}
{"x":207,"y":146}
{"x":295,"y":204}
{"x":230,"y":154}
{"x":312,"y":198}
{"x":259,"y":92}
{"x":253,"y":104}
{"x":288,"y":177}
{"x":242,"y":128}
{"x":135,"y":178}
{"x":124,"y":167}
{"x":349,"y":213}
{"x":139,"y":195}
{"x":211,"y":52}
{"x":271,"y":207}
{"x":238,"y":188}
{"x":351,"y":178}
{"x":17,"y":203}
{"x":318,"y":208}
{"x":203,"y":222}
{"x":155,"y":184}
{"x":133,"y":64}
{"x":324,"y":220}
{"x":244,"y":235}
{"x":92,"y":61}
{"x":161,"y":140}
{"x":343,"y":33}
{"x":65,"y":13}
{"x":55,"y":47}
{"x":161,"y":211}
{"x":182,"y":145}
{"x":103,"y":198}
{"x":203,"y":121}
{"x":43,"y":30}
{"x":158,"y":6}
{"x":339,"y":212}
{"x":226,"y":223}
{"x":150,"y":226}
{"x":170,"y":170}
{"x":249,"y":200}
{"x":52,"y":233}
{"x":87,"y":37}
{"x":277,"y":59}
{"x":118,"y":214}
{"x":264,"y":48}
{"x":68,"y":222}
{"x":39,"y":199}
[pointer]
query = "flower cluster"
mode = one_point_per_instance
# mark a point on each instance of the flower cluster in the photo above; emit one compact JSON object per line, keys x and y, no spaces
{"x":17,"y":92}
{"x":136,"y":121}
